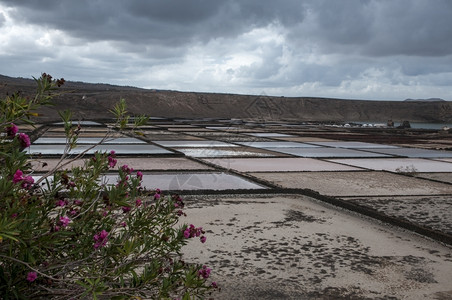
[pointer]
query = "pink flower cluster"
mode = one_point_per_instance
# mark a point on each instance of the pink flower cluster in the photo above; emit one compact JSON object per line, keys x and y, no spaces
{"x":11,"y":131}
{"x":62,"y":222}
{"x":100,"y":239}
{"x":204,"y":272}
{"x":191,"y":232}
{"x":126,"y":169}
{"x":27,"y":181}
{"x":111,"y":159}
{"x":24,"y":140}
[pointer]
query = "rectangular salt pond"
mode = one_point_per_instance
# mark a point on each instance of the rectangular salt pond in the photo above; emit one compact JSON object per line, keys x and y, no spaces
{"x":392,"y":164}
{"x":209,"y":152}
{"x":193,"y":181}
{"x":137,"y":163}
{"x":278,"y":164}
{"x":353,"y":145}
{"x":270,"y":134}
{"x":194,"y":144}
{"x":325,"y":152}
{"x":82,"y":123}
{"x":275,"y":144}
{"x":45,"y":149}
{"x":223,"y":128}
{"x":415,"y":152}
{"x":89,"y":140}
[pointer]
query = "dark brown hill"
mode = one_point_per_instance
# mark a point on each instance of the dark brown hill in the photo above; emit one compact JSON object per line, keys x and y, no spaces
{"x":92,"y":101}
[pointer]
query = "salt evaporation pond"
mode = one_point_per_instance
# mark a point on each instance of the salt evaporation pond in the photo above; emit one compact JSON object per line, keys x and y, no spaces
{"x":130,"y":149}
{"x":193,"y":144}
{"x":353,"y":145}
{"x":398,"y":164}
{"x":207,"y":152}
{"x":89,"y":140}
{"x":415,"y":152}
{"x":269,"y":134}
{"x":277,"y":145}
{"x":325,"y":152}
{"x":194,"y":181}
{"x":279,"y":164}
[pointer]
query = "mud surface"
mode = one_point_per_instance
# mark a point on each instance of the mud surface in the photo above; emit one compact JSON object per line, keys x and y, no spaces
{"x":428,"y":211}
{"x":292,"y":247}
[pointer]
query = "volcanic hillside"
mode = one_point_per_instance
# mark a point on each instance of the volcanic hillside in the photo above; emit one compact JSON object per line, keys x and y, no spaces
{"x":93,"y":101}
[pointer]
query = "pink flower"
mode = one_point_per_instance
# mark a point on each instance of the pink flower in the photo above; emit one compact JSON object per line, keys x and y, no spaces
{"x":60,"y":203}
{"x":24,"y":140}
{"x":156,"y":196}
{"x":138,"y":202}
{"x":64,"y":221}
{"x":214,"y":285}
{"x":191,"y":231}
{"x":123,"y":224}
{"x":27,"y":182}
{"x":31,"y":276}
{"x":203,"y":239}
{"x":126,"y":209}
{"x":77,"y":202}
{"x":100,"y":239}
{"x":126,"y":169}
{"x":112,"y":162}
{"x":11,"y":130}
{"x":140,"y":175}
{"x":18,"y":176}
{"x":204,"y":272}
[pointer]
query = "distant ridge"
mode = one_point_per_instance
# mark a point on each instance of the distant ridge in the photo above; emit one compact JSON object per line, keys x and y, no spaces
{"x":90,"y":101}
{"x":424,"y":100}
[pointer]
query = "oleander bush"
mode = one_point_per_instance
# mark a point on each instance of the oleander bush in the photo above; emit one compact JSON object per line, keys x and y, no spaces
{"x":73,"y":235}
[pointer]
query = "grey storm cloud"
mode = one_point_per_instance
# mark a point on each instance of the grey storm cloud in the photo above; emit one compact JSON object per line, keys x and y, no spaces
{"x":357,"y":48}
{"x":169,"y":22}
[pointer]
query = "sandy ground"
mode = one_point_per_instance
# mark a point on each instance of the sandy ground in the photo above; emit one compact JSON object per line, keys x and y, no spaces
{"x":293,"y":247}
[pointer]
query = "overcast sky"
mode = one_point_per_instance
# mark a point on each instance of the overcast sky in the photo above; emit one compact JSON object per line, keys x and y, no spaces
{"x":357,"y":49}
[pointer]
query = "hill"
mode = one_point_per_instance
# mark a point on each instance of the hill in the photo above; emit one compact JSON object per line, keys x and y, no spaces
{"x":92,"y":101}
